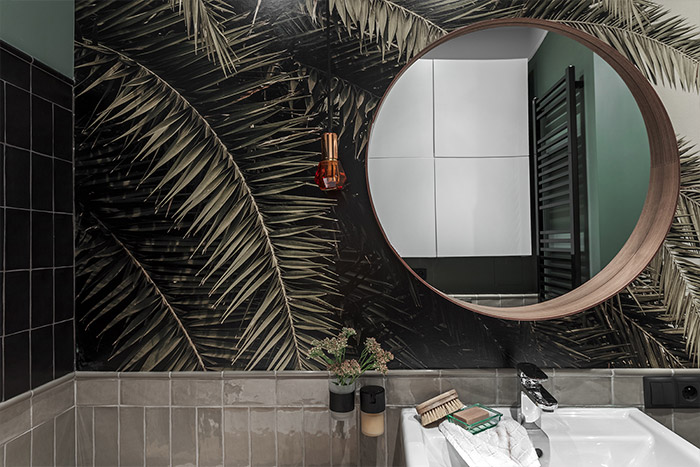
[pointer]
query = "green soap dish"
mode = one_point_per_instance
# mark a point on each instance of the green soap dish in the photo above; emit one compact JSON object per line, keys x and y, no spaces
{"x":481,"y":425}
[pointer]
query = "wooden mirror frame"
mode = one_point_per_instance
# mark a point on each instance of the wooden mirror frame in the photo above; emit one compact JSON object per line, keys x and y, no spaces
{"x":659,"y":206}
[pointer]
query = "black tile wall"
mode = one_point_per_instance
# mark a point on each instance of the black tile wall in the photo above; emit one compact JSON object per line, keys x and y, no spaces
{"x":36,"y":224}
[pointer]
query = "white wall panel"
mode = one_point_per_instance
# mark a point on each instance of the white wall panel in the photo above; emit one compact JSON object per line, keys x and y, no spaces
{"x":481,"y":108}
{"x":403,"y":194}
{"x":483,"y":206}
{"x":404,"y":125}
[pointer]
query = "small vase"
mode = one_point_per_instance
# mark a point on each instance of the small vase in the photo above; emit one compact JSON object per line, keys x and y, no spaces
{"x":342,"y":397}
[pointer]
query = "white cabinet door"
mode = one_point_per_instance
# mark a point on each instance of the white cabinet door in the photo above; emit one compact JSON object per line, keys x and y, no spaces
{"x":403,"y":194}
{"x":403,"y":126}
{"x":483,"y":206}
{"x":481,"y":108}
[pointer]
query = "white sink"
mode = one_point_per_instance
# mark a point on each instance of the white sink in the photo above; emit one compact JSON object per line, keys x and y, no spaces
{"x":578,"y":437}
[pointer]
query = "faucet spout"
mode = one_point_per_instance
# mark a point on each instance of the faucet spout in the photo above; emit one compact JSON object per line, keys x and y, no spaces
{"x":534,"y":398}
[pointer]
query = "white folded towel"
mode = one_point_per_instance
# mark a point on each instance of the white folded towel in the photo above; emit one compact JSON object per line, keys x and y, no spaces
{"x":505,"y":445}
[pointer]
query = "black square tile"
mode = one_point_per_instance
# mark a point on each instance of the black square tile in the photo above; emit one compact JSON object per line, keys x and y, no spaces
{"x":64,"y":349}
{"x":63,"y":133}
{"x":2,"y":237}
{"x":42,"y":355}
{"x":3,"y":149}
{"x":63,"y":240}
{"x":17,"y":107}
{"x":42,"y":182}
{"x":16,"y":239}
{"x":42,"y":239}
{"x":17,"y":162}
{"x":65,"y":296}
{"x":2,"y":364}
{"x":2,"y":308}
{"x":16,"y":301}
{"x":63,"y":186}
{"x":42,"y":126}
{"x":2,"y":126}
{"x":17,"y":365}
{"x":52,"y":88}
{"x":14,"y":69}
{"x":42,"y":297}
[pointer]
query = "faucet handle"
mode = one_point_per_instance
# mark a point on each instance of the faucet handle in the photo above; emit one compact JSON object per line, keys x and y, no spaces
{"x":531,"y":371}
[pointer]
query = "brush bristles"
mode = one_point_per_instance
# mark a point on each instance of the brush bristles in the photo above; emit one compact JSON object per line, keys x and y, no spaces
{"x":441,"y":411}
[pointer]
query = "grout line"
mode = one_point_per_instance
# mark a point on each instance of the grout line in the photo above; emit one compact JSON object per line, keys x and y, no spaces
{"x":250,"y":437}
{"x":196,"y":436}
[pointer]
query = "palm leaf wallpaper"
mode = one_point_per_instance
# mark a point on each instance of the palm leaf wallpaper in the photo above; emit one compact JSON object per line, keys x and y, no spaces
{"x":203,"y":244}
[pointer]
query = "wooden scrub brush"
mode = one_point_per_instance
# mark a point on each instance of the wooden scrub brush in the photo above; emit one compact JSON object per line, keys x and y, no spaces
{"x":439,"y":407}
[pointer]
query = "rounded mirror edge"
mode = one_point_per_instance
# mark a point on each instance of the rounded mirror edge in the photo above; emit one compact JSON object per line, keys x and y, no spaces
{"x":659,"y":205}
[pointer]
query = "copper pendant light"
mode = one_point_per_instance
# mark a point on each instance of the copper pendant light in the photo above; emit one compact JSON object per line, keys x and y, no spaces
{"x":330,"y":175}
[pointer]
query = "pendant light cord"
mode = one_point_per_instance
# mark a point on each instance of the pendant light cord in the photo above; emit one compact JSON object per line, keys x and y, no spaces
{"x":328,"y":66}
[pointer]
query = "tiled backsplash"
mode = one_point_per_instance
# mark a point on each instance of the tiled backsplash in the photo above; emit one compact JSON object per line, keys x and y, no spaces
{"x":36,"y":223}
{"x":265,"y":418}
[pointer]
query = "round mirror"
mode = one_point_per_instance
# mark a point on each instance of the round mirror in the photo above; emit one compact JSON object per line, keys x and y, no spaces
{"x":522,"y":169}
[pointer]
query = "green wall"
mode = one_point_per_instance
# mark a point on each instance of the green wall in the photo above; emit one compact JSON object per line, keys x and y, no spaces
{"x":616,"y":145}
{"x":42,"y":29}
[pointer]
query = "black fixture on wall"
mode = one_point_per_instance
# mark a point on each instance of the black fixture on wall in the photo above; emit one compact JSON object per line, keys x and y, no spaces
{"x":36,"y":223}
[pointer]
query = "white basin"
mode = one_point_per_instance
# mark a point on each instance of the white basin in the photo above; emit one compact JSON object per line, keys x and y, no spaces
{"x":578,"y":437}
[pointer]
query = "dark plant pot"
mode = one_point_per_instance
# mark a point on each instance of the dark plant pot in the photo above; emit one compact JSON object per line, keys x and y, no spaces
{"x":342,"y":398}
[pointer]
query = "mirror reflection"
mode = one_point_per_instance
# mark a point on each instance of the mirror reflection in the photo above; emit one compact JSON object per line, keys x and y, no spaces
{"x":508,"y":166}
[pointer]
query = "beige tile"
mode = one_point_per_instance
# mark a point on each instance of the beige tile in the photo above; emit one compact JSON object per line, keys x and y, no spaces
{"x":184,"y":436}
{"x":236,"y":438}
{"x":290,"y":440}
{"x":344,"y":439}
{"x":408,"y":391}
{"x":15,"y":420}
{"x":582,"y":391}
{"x":262,"y":437}
{"x":151,"y":392}
{"x":473,"y":389}
{"x":250,"y":391}
{"x":65,"y":438}
{"x":317,"y":439}
{"x":686,"y":422}
{"x":196,"y":392}
{"x":209,"y":437}
{"x":106,"y":434}
{"x":42,"y":445}
{"x":628,"y":391}
{"x":95,"y":391}
{"x":157,"y":436}
{"x":306,"y":391}
{"x":663,"y":416}
{"x":18,"y":452}
{"x":131,"y":436}
{"x":50,"y":403}
{"x":84,"y":440}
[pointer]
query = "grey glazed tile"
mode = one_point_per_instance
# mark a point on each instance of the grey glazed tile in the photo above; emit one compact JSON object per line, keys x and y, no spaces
{"x":131,"y":436}
{"x":147,"y":392}
{"x":686,"y":371}
{"x":473,"y":389}
{"x":580,"y":372}
{"x":250,"y":392}
{"x":686,"y":423}
{"x":663,"y":416}
{"x":345,"y":434}
{"x":317,"y":439}
{"x":106,"y":434}
{"x":157,"y":436}
{"x":308,"y":391}
{"x":394,"y":446}
{"x":42,"y":445}
{"x":65,"y":438}
{"x":262,"y":437}
{"x":469,"y":373}
{"x":507,"y":387}
{"x":184,"y":424}
{"x":290,"y":441}
{"x":408,"y":391}
{"x":236,"y":438}
{"x":94,"y":391}
{"x":2,"y":456}
{"x":209,"y":437}
{"x":49,"y":404}
{"x":84,"y":434}
{"x":642,"y":372}
{"x":628,"y":390}
{"x":15,"y":420}
{"x":18,"y":452}
{"x":196,"y":392}
{"x":576,"y":391}
{"x":373,"y":450}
